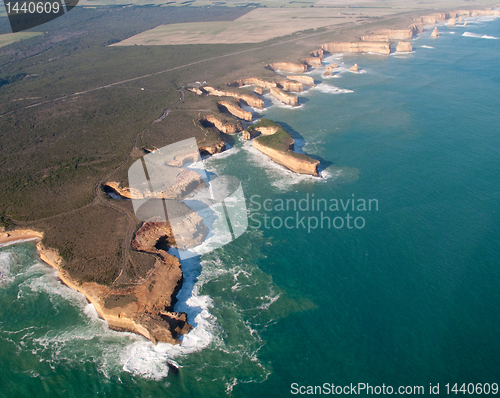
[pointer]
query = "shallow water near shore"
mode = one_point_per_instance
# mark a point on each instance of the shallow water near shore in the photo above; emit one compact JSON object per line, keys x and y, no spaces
{"x":410,"y":299}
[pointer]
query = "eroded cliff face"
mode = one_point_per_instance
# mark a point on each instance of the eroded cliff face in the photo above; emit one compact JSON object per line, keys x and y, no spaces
{"x":358,"y":47}
{"x":145,"y":308}
{"x":249,"y":99}
{"x":404,"y":47}
{"x":317,"y":53}
{"x":236,"y":110}
{"x":286,"y":98}
{"x":374,"y":37}
{"x":290,"y":85}
{"x":252,"y":81}
{"x":287,"y":67}
{"x":186,"y":182}
{"x":314,"y":62}
{"x":303,"y":79}
{"x":213,"y":148}
{"x":301,"y":166}
{"x":436,"y":18}
{"x":417,"y":27}
{"x":395,"y":34}
{"x":224,"y":127}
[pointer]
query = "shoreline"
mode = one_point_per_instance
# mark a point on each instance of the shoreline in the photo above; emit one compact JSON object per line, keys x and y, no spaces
{"x":94,"y":293}
{"x":21,"y":235}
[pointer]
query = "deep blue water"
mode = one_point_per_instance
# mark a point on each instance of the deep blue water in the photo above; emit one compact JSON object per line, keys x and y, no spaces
{"x":410,"y":299}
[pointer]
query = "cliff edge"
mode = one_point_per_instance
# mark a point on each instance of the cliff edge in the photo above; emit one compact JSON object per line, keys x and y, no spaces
{"x":278,"y":145}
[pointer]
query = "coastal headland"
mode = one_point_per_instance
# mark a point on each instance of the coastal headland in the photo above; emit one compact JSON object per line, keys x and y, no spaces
{"x":130,"y":278}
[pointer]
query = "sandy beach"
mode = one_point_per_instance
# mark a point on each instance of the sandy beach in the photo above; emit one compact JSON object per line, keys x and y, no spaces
{"x":19,"y":234}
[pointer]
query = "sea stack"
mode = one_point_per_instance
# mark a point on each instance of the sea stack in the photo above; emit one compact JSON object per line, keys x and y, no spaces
{"x":354,"y":68}
{"x":460,"y":20}
{"x":404,"y":47}
{"x":435,"y":33}
{"x":451,"y":22}
{"x":328,"y":71}
{"x":334,"y":66}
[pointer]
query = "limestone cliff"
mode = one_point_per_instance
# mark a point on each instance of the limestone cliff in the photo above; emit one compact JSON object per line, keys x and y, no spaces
{"x":302,"y":79}
{"x":314,"y":62}
{"x":225,"y":127}
{"x":287,"y":67}
{"x":290,"y":85}
{"x":328,"y":71}
{"x":212,"y":149}
{"x":435,"y":32}
{"x":374,"y":37}
{"x":185,"y":183}
{"x":417,"y":27}
{"x":435,"y":18}
{"x":286,"y":98}
{"x":278,"y":145}
{"x":395,"y":34}
{"x":358,"y":47}
{"x":249,"y":99}
{"x":252,"y":81}
{"x":404,"y":47}
{"x":317,"y":53}
{"x":258,"y":90}
{"x":451,"y":22}
{"x":145,"y":308}
{"x":236,"y":110}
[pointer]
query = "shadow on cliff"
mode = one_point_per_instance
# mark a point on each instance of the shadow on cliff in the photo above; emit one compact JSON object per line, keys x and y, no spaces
{"x":299,"y":144}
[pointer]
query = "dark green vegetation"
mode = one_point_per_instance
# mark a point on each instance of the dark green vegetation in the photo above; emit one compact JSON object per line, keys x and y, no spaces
{"x":70,"y":118}
{"x":281,"y":140}
{"x":55,"y":156}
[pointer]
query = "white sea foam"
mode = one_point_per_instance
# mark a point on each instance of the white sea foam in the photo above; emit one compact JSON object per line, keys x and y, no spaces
{"x":424,"y":46}
{"x":15,"y":242}
{"x":276,"y":102}
{"x":5,"y":271}
{"x":479,"y":36}
{"x":280,"y":177}
{"x":329,"y":89}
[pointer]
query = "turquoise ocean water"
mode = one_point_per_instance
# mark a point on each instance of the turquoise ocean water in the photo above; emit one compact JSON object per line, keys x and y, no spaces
{"x":411,"y":298}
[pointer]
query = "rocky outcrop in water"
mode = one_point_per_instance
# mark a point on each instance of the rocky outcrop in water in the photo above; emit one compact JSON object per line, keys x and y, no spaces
{"x":358,"y":47}
{"x":286,"y":98}
{"x":314,"y":62}
{"x":287,"y":67}
{"x":225,"y":127}
{"x":290,"y":85}
{"x":236,"y":110}
{"x":328,"y":71}
{"x":278,"y":145}
{"x":145,"y":308}
{"x":435,"y":33}
{"x":354,"y":68}
{"x":404,"y":47}
{"x":252,"y":81}
{"x":249,"y":99}
{"x":302,"y":79}
{"x":317,"y":53}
